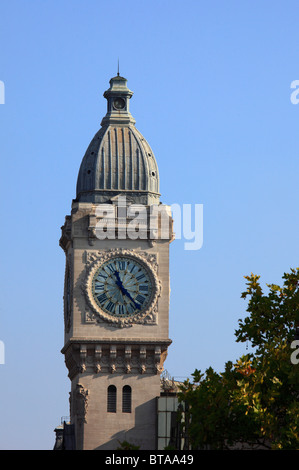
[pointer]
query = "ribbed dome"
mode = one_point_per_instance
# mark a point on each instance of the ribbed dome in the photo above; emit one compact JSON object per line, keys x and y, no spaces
{"x":118,"y":160}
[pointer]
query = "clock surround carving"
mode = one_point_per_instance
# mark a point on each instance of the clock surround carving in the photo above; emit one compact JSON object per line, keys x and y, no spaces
{"x":147,"y":316}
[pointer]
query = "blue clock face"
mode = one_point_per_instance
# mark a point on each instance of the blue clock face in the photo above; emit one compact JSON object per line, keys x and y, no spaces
{"x":122,"y":287}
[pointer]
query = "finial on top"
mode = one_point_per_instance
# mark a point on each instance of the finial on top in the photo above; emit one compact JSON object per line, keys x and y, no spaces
{"x":118,"y":67}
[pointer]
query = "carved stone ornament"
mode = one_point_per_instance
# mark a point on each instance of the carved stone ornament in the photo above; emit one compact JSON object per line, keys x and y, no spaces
{"x":80,"y":403}
{"x":146,"y":316}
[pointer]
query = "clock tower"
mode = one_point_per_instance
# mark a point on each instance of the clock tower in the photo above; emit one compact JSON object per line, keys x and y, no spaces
{"x":116,"y":293}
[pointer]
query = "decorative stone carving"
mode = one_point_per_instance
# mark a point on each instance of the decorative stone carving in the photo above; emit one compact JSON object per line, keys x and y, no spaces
{"x":97,"y":358}
{"x":109,"y":358}
{"x":83,"y":355}
{"x":66,"y":234}
{"x":89,"y":317}
{"x":142,"y":359}
{"x":128,"y":357}
{"x":80,"y":403}
{"x":159,"y":367}
{"x":113,"y":354}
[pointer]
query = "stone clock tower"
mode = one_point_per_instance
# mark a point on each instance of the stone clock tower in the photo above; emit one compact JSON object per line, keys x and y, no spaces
{"x":116,"y":294}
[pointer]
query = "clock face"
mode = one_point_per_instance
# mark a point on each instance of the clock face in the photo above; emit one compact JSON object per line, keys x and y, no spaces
{"x":122,"y":287}
{"x":119,"y":103}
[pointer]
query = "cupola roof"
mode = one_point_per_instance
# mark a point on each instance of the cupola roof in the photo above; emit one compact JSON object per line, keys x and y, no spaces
{"x":118,"y":160}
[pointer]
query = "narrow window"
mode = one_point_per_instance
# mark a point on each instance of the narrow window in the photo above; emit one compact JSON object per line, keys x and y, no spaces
{"x":127,"y":399}
{"x":111,"y":399}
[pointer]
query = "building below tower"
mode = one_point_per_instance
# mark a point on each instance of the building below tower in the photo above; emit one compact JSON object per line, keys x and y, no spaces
{"x":168,"y":414}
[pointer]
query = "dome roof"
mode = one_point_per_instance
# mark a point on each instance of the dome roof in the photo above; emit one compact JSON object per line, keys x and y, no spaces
{"x":118,"y":161}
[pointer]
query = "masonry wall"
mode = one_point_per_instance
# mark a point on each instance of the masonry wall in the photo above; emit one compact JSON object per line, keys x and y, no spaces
{"x":104,"y":430}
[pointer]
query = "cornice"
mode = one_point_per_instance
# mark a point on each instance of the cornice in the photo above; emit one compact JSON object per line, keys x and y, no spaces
{"x":115,"y":357}
{"x":123,"y":341}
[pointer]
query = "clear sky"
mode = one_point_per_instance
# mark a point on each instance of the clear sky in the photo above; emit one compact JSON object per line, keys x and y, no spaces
{"x":212,"y":87}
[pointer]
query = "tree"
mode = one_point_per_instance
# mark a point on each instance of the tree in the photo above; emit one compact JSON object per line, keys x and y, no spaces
{"x":125,"y":445}
{"x":254,"y":402}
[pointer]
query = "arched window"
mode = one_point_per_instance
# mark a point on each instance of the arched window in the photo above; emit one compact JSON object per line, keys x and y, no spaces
{"x":111,"y":399}
{"x":127,"y":399}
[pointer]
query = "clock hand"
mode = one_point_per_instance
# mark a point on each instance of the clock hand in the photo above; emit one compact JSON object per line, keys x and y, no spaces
{"x":131,"y":298}
{"x":124,"y":290}
{"x":119,"y":283}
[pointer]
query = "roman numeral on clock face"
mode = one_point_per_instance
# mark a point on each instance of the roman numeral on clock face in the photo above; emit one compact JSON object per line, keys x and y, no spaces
{"x":132,"y":268}
{"x":121,"y":310}
{"x":102,"y":298}
{"x":140,"y":299}
{"x":103,"y":276}
{"x":98,"y":287}
{"x":111,"y":268}
{"x":143,"y":288}
{"x":110,"y":306}
{"x":122,"y":265}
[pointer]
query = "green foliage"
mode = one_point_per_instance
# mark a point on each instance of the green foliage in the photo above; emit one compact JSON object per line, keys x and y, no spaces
{"x":125,"y":445}
{"x":255,"y":400}
{"x":272,"y":317}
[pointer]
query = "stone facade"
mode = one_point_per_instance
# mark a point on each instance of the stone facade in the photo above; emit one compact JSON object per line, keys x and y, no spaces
{"x":108,"y":356}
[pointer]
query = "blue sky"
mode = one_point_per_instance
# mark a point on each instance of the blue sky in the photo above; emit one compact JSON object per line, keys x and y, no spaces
{"x":211,"y":84}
